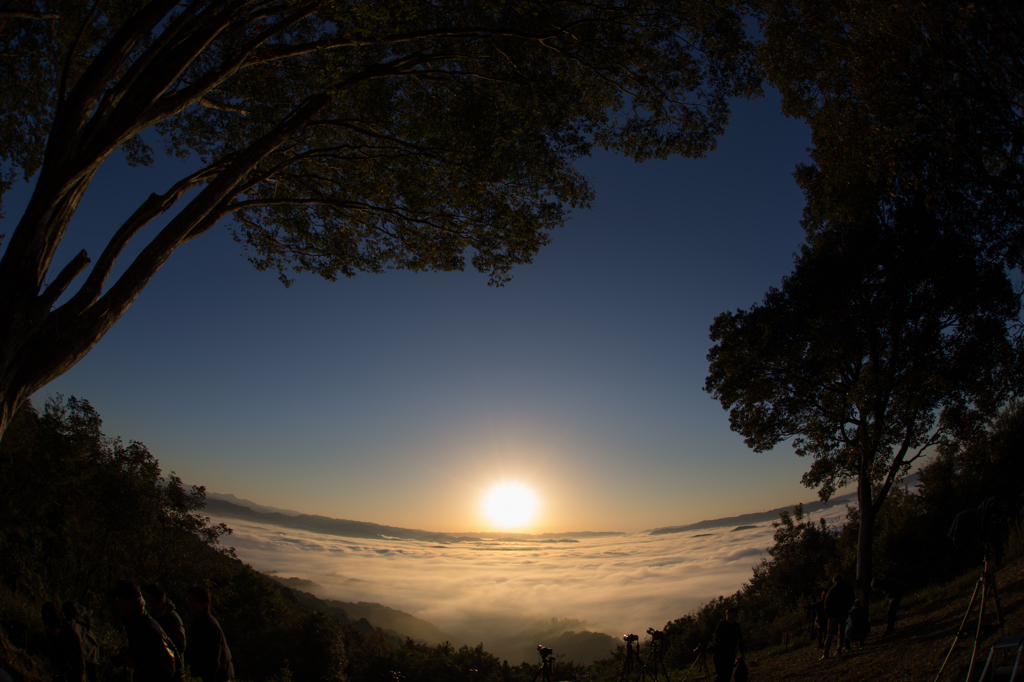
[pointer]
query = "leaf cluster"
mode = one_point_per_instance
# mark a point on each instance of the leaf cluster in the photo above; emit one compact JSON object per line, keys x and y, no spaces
{"x":889,"y":334}
{"x":438,"y":128}
{"x":339,"y":137}
{"x":83,"y":509}
{"x":908,"y":94}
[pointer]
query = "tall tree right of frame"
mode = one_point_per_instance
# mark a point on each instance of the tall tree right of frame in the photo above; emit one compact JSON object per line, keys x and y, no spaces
{"x":891,"y":335}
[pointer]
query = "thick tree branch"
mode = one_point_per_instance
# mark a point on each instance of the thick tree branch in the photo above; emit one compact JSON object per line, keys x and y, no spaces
{"x":70,"y":331}
{"x":23,"y":14}
{"x":58,"y":286}
{"x":69,"y":57}
{"x":154,"y":206}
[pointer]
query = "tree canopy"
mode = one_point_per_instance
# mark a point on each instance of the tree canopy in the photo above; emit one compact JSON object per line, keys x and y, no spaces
{"x":895,"y":328}
{"x":905,"y":90}
{"x":340,"y":136}
{"x":890,"y":336}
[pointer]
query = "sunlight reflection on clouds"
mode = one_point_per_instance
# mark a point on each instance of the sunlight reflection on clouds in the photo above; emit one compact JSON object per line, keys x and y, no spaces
{"x":613,"y":584}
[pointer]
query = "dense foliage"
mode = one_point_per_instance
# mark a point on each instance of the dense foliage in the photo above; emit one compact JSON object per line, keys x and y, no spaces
{"x":903,"y":90}
{"x":899,"y":325}
{"x":870,"y":352}
{"x":81,"y":510}
{"x":341,"y":137}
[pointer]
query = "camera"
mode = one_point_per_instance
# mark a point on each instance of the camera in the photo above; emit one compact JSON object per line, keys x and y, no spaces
{"x":655,"y":634}
{"x":544,"y":651}
{"x":630,"y":637}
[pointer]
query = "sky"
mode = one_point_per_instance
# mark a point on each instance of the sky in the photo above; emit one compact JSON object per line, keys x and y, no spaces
{"x":403,"y":398}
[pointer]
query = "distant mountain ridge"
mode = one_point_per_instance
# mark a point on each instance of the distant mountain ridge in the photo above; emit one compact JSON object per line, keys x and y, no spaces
{"x":328,"y":526}
{"x":761,"y":517}
{"x":255,"y":506}
{"x":218,"y":506}
{"x":221,"y":504}
{"x":908,"y":481}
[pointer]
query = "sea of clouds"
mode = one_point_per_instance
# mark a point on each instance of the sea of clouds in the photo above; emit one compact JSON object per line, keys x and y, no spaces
{"x":480,"y":591}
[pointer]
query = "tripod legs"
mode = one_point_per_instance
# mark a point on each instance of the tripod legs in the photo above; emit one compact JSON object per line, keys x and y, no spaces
{"x":627,"y":667}
{"x":986,"y":584}
{"x":701,"y":659}
{"x":656,"y":655}
{"x":545,"y":670}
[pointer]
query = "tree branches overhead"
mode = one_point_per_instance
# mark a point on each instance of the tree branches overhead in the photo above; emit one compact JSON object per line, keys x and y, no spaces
{"x":341,"y":136}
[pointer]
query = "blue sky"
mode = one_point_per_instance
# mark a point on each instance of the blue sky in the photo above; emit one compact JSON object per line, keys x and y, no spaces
{"x":402,"y":398}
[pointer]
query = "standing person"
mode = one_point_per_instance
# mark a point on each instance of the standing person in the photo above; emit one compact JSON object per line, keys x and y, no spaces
{"x":816,"y":612}
{"x":894,"y":592}
{"x":80,"y":620}
{"x":150,"y":653}
{"x":728,"y":640}
{"x":209,"y":657}
{"x":858,"y":625}
{"x":860,"y":593}
{"x":838,"y":602}
{"x":162,"y":610}
{"x":65,"y":647}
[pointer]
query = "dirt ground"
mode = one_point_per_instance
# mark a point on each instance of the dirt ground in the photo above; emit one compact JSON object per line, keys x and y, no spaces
{"x":925,"y":630}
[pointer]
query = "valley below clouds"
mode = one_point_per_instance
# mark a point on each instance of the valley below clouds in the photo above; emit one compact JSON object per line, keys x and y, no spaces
{"x":506,"y":593}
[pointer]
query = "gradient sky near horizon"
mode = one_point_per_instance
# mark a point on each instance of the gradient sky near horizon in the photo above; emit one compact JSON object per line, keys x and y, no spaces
{"x":403,"y":398}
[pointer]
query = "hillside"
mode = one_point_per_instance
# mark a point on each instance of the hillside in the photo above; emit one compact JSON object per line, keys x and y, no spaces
{"x":925,"y":631}
{"x":383,"y":617}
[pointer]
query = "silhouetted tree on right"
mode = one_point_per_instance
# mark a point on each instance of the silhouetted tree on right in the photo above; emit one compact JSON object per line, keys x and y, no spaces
{"x":890,"y":336}
{"x":897,"y":88}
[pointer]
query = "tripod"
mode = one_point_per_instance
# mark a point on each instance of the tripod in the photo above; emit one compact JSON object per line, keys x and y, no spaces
{"x":656,"y":654}
{"x":986,"y":585}
{"x":631,"y":655}
{"x":546,"y":661}
{"x":701,"y":663}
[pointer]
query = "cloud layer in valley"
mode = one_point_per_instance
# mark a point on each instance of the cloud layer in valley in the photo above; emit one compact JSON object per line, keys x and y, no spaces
{"x":487,"y":590}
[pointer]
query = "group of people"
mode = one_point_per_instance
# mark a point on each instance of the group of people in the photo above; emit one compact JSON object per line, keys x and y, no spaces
{"x":158,"y":648}
{"x":841,"y":612}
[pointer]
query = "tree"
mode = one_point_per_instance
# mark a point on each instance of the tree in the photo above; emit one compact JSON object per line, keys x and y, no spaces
{"x":340,"y":136}
{"x":967,"y":472}
{"x":82,"y":509}
{"x":801,"y":559}
{"x":890,"y":335}
{"x":903,"y":86}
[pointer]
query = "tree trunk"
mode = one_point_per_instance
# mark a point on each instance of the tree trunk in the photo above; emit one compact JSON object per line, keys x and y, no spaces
{"x":865,"y":535}
{"x":7,"y":410}
{"x":38,"y":342}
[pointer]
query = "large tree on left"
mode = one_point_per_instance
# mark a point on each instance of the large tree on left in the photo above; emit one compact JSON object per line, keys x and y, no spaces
{"x":341,"y":136}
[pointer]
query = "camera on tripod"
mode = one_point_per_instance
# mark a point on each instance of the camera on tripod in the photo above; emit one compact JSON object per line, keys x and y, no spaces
{"x":630,"y":638}
{"x":546,"y":663}
{"x":655,"y":634}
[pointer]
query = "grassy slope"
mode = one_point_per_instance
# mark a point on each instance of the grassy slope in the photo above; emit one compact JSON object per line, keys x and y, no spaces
{"x":927,"y":624}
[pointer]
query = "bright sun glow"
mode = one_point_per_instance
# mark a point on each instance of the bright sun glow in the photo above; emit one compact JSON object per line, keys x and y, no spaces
{"x":510,"y":505}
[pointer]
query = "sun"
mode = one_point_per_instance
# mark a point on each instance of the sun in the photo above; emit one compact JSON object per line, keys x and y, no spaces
{"x":510,"y":505}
